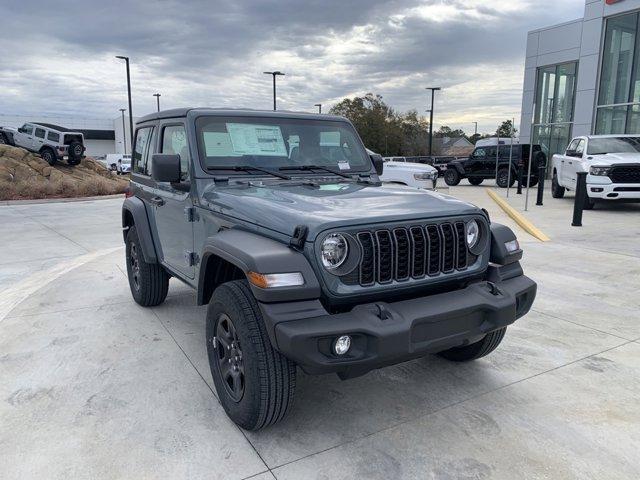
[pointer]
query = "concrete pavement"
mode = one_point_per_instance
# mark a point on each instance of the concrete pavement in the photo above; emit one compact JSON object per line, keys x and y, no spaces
{"x":94,"y":386}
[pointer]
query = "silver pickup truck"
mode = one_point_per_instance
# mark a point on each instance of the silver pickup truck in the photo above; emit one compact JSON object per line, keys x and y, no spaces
{"x":52,"y":142}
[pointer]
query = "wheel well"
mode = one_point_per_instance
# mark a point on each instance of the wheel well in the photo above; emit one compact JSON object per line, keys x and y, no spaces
{"x":217,"y":271}
{"x":46,"y":147}
{"x":127,"y":221}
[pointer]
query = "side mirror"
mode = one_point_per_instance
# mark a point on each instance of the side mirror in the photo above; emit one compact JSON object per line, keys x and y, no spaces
{"x":165,"y":168}
{"x":378,"y":163}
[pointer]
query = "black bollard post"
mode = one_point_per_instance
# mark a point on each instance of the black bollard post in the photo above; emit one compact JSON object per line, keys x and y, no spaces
{"x":581,"y":194}
{"x":541,"y":173}
{"x":519,"y":190}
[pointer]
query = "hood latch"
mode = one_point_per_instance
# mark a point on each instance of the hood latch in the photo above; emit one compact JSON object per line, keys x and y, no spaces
{"x":299,"y":237}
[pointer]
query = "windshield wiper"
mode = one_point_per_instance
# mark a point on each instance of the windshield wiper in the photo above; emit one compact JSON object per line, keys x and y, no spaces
{"x":316,"y":167}
{"x":248,"y":168}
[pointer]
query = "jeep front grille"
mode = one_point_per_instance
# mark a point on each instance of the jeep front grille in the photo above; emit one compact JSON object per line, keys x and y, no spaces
{"x":415,"y":252}
{"x":625,"y":174}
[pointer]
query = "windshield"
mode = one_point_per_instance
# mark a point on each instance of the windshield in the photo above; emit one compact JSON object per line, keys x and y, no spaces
{"x":599,"y":146}
{"x":272,"y":143}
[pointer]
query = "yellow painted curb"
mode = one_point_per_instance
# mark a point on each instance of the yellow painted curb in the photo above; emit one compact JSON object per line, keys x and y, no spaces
{"x":517,"y":217}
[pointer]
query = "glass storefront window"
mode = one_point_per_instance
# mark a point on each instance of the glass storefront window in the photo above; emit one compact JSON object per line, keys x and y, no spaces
{"x":617,"y":59}
{"x":565,"y":93}
{"x":545,"y":94}
{"x":611,"y":119}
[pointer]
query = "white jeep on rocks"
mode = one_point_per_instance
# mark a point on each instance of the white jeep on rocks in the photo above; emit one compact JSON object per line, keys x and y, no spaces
{"x":52,"y":142}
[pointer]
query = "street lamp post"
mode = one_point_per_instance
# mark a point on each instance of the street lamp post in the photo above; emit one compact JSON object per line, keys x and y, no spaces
{"x":124,"y":131}
{"x":126,"y":59}
{"x":274,"y":75}
{"x":476,"y":129}
{"x":157,"y":95}
{"x":433,"y":92}
{"x":319,"y":105}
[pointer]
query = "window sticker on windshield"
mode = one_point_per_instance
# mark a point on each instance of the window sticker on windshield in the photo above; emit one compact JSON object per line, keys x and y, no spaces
{"x":344,"y":165}
{"x":250,"y":139}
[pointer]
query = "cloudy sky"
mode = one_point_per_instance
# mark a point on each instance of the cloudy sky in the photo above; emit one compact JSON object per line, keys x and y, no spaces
{"x":58,"y":57}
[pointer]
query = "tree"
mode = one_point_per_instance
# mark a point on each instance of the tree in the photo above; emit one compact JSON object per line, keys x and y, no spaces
{"x":504,"y":130}
{"x":446,"y":131}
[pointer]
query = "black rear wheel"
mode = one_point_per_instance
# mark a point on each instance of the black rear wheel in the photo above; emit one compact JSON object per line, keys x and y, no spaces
{"x":556,"y":190}
{"x":503,"y":178}
{"x":48,"y":156}
{"x":149,"y":282}
{"x":451,"y":177}
{"x":476,"y":350}
{"x":475,"y":181}
{"x":3,"y":140}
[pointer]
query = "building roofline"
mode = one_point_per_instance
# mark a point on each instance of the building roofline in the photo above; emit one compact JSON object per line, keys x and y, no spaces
{"x":551,"y":27}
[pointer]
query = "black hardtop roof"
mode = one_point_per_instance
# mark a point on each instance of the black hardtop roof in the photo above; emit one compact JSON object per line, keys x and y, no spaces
{"x":236,"y":112}
{"x":54,"y":127}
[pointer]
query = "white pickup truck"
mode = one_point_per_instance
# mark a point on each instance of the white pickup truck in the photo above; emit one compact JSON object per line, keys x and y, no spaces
{"x":416,"y":175}
{"x":612,"y":163}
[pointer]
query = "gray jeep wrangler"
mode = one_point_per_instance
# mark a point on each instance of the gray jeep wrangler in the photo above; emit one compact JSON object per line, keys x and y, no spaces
{"x":279,"y":222}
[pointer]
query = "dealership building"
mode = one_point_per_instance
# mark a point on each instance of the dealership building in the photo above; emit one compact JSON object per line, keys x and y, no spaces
{"x":101,"y":136}
{"x":583,"y":77}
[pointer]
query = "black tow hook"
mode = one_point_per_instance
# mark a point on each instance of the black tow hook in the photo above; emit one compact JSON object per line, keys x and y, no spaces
{"x":493,"y":289}
{"x":383,"y":314}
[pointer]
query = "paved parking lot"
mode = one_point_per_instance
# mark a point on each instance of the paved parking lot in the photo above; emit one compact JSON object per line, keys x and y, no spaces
{"x":94,"y":386}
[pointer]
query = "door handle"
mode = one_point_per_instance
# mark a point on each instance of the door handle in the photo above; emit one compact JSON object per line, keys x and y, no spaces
{"x":157,"y":201}
{"x":570,"y":163}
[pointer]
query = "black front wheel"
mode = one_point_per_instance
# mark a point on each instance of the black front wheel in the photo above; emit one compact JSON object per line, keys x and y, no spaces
{"x":254,"y":382}
{"x":475,"y":350}
{"x":3,"y":140}
{"x":557,"y":191}
{"x":451,"y":177}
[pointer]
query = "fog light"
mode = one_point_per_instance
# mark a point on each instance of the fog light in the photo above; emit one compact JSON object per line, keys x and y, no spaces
{"x":342,"y":345}
{"x":512,"y":246}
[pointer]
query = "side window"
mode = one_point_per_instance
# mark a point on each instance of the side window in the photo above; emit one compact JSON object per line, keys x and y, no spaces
{"x":580,"y":147}
{"x":141,"y":149}
{"x":53,"y":137}
{"x":573,"y":145}
{"x":479,"y":153}
{"x":39,"y":132}
{"x":174,"y":141}
{"x":26,"y":128}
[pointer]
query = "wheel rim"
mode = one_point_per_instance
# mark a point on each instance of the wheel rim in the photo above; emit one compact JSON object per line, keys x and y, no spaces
{"x":134,"y":261}
{"x":229,"y":355}
{"x":502,"y":179}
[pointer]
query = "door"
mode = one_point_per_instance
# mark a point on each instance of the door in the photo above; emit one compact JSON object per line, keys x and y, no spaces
{"x":474,"y":165}
{"x":175,"y":214}
{"x":563,"y":165}
{"x":38,"y":139}
{"x":24,"y":137}
{"x":573,"y":164}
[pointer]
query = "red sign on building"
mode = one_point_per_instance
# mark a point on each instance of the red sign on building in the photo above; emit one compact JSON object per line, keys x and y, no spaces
{"x":611,"y":2}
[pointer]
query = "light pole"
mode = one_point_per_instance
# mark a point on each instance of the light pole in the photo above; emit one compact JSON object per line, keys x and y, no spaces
{"x":319,"y":105}
{"x":274,"y":75}
{"x":124,"y":131}
{"x":126,"y":59}
{"x":433,"y":93}
{"x":157,"y":95}
{"x":476,"y":130}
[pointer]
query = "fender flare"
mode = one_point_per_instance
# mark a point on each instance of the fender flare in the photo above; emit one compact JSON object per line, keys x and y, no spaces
{"x":456,"y":166}
{"x":8,"y":135}
{"x":500,"y":235}
{"x":134,"y":207}
{"x":251,"y":252}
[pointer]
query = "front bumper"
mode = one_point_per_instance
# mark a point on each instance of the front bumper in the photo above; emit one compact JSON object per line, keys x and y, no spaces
{"x":388,"y":333}
{"x":613,"y":191}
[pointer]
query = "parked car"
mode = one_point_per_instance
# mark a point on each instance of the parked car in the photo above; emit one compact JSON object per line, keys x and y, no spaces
{"x":111,"y":162}
{"x":52,"y":142}
{"x":440,"y":163}
{"x":303,"y":258}
{"x":415,"y":175}
{"x":481,"y":165}
{"x":612,"y":163}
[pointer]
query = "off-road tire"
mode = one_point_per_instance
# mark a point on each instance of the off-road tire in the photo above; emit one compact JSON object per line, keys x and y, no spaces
{"x":451,"y":177}
{"x":149,"y":282}
{"x":476,"y":181}
{"x":3,"y":139}
{"x":269,"y":377}
{"x":589,"y":204}
{"x":533,"y":182}
{"x":476,"y":350}
{"x":503,"y":178}
{"x":556,"y":190}
{"x":49,"y":156}
{"x":76,"y":149}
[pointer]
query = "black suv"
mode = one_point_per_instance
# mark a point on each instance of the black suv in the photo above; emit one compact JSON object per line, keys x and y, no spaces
{"x":279,"y":221}
{"x":481,"y":165}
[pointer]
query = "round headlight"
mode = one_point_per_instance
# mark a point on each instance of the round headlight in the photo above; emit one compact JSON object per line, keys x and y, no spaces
{"x":473,"y":233}
{"x":334,"y":251}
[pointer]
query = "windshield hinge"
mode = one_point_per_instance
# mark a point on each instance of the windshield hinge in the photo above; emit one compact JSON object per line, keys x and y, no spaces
{"x":299,"y":237}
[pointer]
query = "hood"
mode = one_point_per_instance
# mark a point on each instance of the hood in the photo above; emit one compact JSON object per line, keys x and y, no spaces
{"x":614,"y":158}
{"x":410,"y":166}
{"x":283,"y":206}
